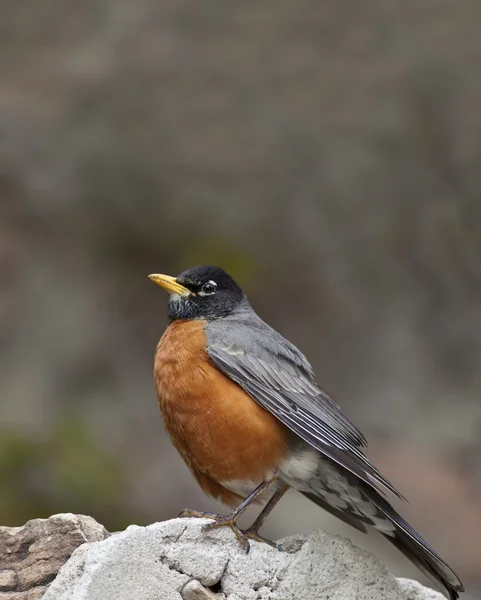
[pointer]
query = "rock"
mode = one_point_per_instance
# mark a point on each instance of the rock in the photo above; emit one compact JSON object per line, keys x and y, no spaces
{"x":415,"y":591}
{"x":30,"y":556}
{"x":194,"y":590}
{"x":175,"y":560}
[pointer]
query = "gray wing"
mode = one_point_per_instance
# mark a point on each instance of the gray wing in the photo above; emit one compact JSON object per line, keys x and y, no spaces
{"x":279,"y":378}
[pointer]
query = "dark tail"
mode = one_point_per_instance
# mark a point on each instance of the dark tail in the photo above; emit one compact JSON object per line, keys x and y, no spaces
{"x":418,"y":551}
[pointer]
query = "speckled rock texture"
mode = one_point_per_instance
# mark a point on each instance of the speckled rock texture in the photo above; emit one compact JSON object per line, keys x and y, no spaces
{"x":175,"y":560}
{"x":31,"y":556}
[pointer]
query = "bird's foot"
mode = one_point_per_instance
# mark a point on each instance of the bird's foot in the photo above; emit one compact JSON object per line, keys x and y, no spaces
{"x":253,"y":534}
{"x":229,"y":521}
{"x":220,"y":521}
{"x":196,"y":514}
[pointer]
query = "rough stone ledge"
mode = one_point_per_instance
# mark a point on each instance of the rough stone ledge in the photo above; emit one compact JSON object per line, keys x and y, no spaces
{"x":31,"y":556}
{"x":175,"y":560}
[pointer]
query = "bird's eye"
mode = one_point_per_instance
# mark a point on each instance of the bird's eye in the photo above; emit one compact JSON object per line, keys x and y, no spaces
{"x":208,"y":288}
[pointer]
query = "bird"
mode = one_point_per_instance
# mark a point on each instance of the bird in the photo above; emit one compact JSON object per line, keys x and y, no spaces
{"x":243,"y":408}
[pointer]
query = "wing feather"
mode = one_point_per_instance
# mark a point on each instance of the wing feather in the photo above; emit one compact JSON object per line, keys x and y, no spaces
{"x":279,"y":378}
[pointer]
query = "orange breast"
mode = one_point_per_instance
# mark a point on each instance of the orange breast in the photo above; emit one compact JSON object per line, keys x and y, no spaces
{"x":221,"y":433}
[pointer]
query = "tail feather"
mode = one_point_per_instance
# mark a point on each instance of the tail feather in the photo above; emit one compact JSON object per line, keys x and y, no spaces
{"x":434,"y":568}
{"x":415,"y":548}
{"x":344,"y":516}
{"x":360,"y":504}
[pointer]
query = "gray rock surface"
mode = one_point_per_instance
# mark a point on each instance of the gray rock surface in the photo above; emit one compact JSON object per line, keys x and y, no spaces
{"x":175,"y":560}
{"x":30,"y":556}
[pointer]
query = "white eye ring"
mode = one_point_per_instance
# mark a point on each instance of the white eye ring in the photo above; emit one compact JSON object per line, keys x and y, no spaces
{"x":208,"y":288}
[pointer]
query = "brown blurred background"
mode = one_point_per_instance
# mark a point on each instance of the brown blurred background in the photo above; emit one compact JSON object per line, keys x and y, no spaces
{"x":328,"y":154}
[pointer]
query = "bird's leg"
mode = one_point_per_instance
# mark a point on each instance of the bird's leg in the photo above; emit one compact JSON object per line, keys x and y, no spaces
{"x":230,"y":520}
{"x":253,"y":532}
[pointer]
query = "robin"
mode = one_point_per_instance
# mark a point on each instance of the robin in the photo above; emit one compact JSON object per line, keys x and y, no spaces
{"x":243,"y":408}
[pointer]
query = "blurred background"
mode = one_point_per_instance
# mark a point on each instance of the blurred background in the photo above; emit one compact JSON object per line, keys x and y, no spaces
{"x":327,"y":154}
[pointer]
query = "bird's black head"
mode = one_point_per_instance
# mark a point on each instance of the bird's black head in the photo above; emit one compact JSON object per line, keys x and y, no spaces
{"x":200,"y":293}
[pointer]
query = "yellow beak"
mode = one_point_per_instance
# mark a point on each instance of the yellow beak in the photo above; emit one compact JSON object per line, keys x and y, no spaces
{"x":170,"y":284}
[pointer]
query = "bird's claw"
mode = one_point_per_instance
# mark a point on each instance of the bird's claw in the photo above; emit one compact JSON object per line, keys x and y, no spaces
{"x":228,"y":521}
{"x":252,"y":534}
{"x":196,"y":514}
{"x":219,"y":521}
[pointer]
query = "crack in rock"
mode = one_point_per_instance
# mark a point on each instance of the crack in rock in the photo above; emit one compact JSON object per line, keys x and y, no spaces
{"x":175,"y":538}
